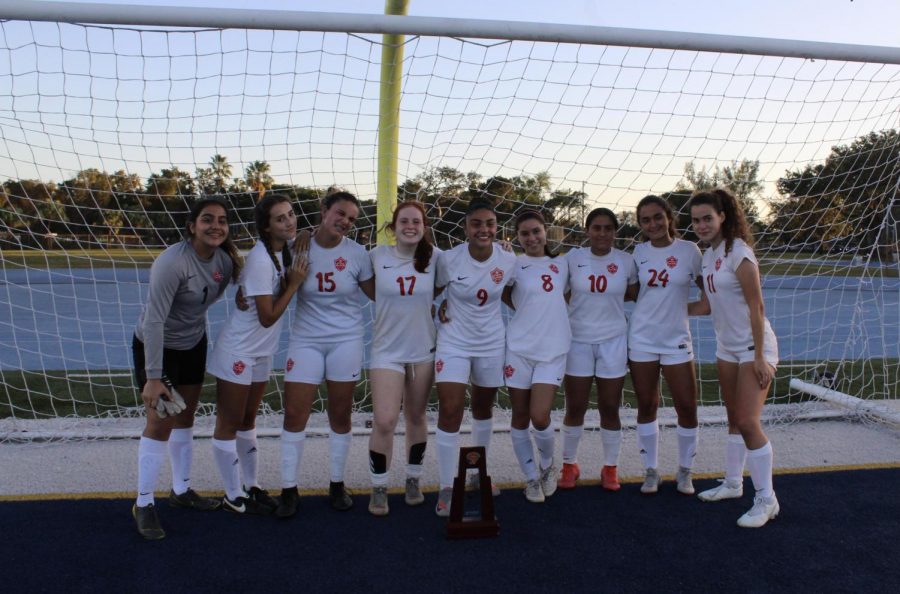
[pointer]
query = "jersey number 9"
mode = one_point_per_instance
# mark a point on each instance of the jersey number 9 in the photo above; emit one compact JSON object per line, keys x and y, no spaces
{"x":482,"y":296}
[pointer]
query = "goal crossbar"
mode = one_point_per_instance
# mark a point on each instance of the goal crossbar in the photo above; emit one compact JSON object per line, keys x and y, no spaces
{"x":240,"y":18}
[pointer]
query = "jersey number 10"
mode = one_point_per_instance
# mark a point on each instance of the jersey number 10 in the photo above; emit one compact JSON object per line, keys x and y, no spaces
{"x":598,"y":283}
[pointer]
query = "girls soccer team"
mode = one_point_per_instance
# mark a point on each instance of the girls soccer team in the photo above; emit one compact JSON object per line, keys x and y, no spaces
{"x":568,"y":324}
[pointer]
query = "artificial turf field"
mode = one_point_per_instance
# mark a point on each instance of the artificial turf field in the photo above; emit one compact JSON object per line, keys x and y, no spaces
{"x":838,"y":531}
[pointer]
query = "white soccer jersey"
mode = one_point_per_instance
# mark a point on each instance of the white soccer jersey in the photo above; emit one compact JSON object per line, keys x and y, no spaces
{"x":730,"y":313}
{"x":539,"y":329}
{"x":329,"y":301}
{"x":473,"y":291}
{"x":597,"y":302}
{"x":659,"y":322}
{"x":243,"y":334}
{"x":404,"y":329}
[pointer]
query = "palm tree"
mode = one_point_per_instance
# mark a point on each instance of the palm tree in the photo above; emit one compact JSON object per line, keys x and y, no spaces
{"x":258,"y":178}
{"x":221,"y":171}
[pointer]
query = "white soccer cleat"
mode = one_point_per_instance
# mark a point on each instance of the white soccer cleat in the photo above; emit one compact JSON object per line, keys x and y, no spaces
{"x":445,"y":497}
{"x":725,"y":490}
{"x":533,"y":492}
{"x":763,"y":510}
{"x":683,"y":481}
{"x":548,"y":480}
{"x":651,"y":482}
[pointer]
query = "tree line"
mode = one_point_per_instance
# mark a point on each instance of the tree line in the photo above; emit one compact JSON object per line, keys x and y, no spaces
{"x":847,"y":200}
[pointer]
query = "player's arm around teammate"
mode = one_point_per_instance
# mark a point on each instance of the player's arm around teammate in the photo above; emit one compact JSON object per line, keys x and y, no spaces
{"x":169,"y":349}
{"x":537,"y":340}
{"x":471,"y":344}
{"x":403,"y":341}
{"x":601,"y":279}
{"x":326,"y":343}
{"x":659,"y":338}
{"x":242,"y":357}
{"x":746,"y":348}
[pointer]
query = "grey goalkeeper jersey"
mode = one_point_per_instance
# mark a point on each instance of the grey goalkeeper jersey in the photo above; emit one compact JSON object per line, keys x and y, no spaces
{"x":182,"y":287}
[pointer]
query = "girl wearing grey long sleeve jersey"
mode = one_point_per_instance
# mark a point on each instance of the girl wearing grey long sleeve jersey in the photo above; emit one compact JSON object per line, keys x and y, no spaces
{"x":170,"y":351}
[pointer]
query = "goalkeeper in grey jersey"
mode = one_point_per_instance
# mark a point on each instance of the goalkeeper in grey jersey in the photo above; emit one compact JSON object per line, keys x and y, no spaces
{"x":170,"y":354}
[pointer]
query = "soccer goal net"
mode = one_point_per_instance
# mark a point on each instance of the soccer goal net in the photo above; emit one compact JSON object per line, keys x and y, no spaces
{"x":108,"y":133}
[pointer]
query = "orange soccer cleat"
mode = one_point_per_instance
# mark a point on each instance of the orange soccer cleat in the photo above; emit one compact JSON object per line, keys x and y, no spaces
{"x":609,"y":478}
{"x":568,"y":476}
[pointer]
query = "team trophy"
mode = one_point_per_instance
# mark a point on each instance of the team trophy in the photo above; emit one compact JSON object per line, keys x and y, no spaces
{"x":472,"y":512}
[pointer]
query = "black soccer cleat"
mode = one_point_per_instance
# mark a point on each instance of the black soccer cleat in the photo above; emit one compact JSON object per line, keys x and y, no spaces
{"x":245,"y":505}
{"x":262,"y":497}
{"x":147,"y":522}
{"x":289,"y":500}
{"x":192,"y":500}
{"x":338,"y":497}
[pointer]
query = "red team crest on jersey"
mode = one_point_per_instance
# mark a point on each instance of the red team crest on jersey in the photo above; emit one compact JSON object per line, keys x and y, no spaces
{"x":612,"y":268}
{"x":497,"y":275}
{"x":439,"y":365}
{"x":217,"y":276}
{"x":718,"y":263}
{"x":340,"y":264}
{"x":238,"y":367}
{"x":671,"y":261}
{"x":508,"y":371}
{"x":554,"y":268}
{"x":289,"y":365}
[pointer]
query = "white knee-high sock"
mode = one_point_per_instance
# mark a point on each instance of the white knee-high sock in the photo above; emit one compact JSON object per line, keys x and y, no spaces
{"x":612,"y":443}
{"x":181,"y":454}
{"x":447,"y":454}
{"x":338,"y":448}
{"x":291,"y":455}
{"x":735,"y":454}
{"x":247,"y":452}
{"x":524,"y":451}
{"x":687,"y":445}
{"x":571,"y":437}
{"x":151,"y":456}
{"x":481,"y":432}
{"x":648,"y":443}
{"x":759,"y":462}
{"x":225,"y":454}
{"x":545,"y":442}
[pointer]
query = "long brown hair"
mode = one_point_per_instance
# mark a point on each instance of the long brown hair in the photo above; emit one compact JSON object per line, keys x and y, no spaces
{"x":424,"y":249}
{"x":227,"y":246}
{"x":261,"y":215}
{"x":735,"y":225}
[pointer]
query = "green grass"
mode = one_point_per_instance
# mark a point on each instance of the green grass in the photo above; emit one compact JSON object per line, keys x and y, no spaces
{"x":51,"y":394}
